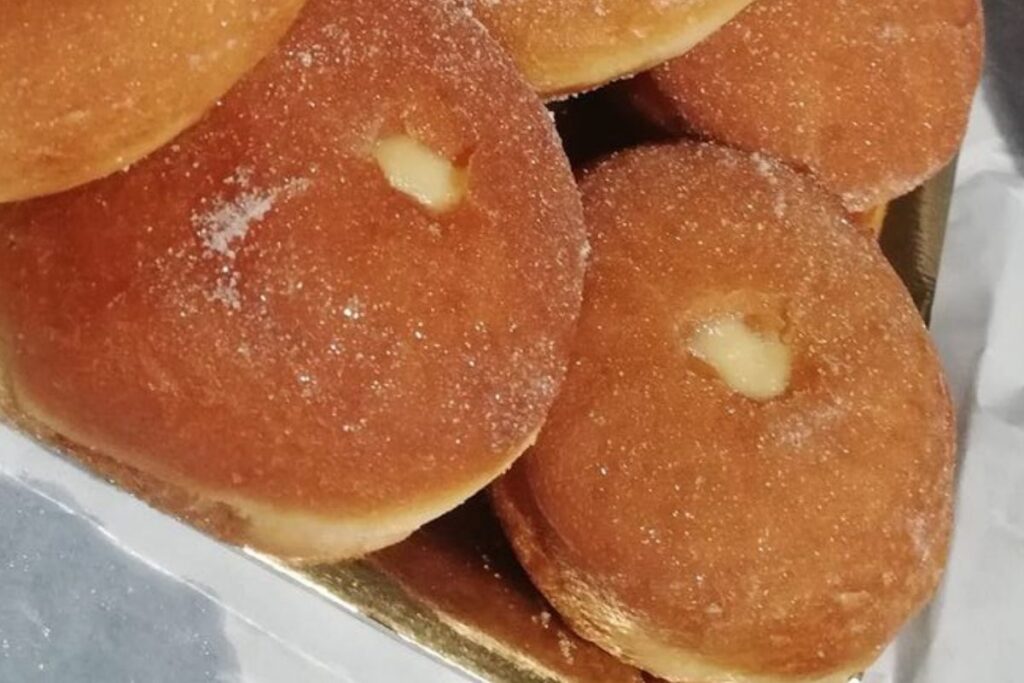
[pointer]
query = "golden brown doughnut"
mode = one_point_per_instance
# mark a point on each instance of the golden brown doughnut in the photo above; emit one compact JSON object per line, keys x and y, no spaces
{"x":747,"y":474}
{"x":870,"y":95}
{"x":566,"y":46}
{"x":280,"y":317}
{"x":88,"y":87}
{"x":461,"y":567}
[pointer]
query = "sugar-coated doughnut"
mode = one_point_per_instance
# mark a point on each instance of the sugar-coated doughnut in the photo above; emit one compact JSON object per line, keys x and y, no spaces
{"x":747,"y":474}
{"x":872,"y":96}
{"x":461,"y":568}
{"x":330,"y":311}
{"x":567,"y":46}
{"x":88,"y":87}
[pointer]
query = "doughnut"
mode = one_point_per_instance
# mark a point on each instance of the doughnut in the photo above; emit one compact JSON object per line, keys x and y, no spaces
{"x":871,"y":96}
{"x":747,"y":473}
{"x":458,"y":564}
{"x":329,"y":312}
{"x":88,"y":88}
{"x":568,"y":46}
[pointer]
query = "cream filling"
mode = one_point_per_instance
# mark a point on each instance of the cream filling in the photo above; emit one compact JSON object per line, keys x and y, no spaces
{"x":754,"y":364}
{"x":421,"y":173}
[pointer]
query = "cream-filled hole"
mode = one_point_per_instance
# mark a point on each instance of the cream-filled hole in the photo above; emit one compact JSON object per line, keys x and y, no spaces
{"x":752,"y":363}
{"x":420,"y":172}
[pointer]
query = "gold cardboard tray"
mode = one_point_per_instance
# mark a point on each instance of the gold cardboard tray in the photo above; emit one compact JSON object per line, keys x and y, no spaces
{"x":454,"y":588}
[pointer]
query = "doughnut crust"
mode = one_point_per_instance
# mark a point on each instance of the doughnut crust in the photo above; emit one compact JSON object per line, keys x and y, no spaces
{"x":703,"y":535}
{"x":567,"y":46}
{"x":255,"y":319}
{"x":871,"y":96}
{"x":88,"y":87}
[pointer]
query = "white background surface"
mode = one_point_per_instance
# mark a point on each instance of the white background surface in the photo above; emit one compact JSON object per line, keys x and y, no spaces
{"x":974,"y":631}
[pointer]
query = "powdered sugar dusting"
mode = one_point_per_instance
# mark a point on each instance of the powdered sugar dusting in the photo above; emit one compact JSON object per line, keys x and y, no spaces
{"x":223,"y":227}
{"x":228,"y":222}
{"x":567,"y":647}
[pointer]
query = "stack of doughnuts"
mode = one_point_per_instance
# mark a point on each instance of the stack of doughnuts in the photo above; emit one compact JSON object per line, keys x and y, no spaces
{"x":310,"y":274}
